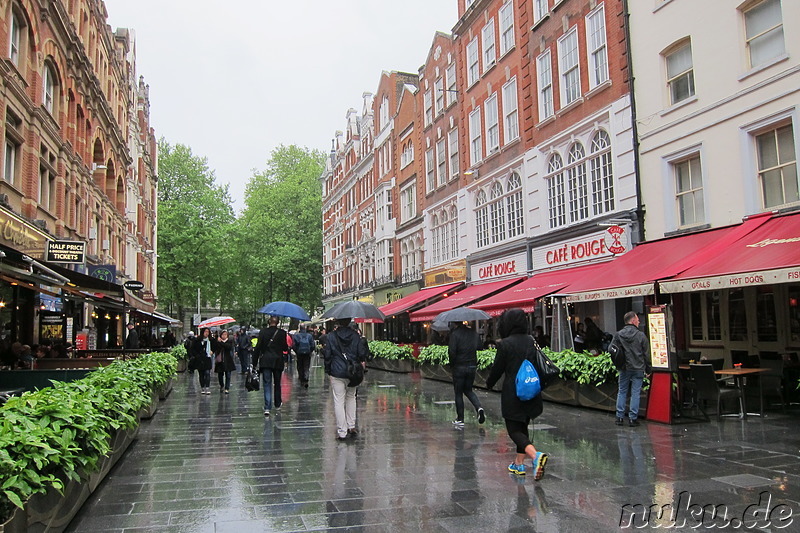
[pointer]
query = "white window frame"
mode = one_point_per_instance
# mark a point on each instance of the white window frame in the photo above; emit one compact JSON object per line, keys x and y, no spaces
{"x":10,"y":162}
{"x":481,"y":219}
{"x":784,"y":164}
{"x":577,"y":182}
{"x":540,"y":10}
{"x":408,"y":202}
{"x":488,"y":44}
{"x":451,"y":91}
{"x":492,"y":124}
{"x":683,"y":78}
{"x":544,"y":71}
{"x":506,"y":18}
{"x":473,"y":62}
{"x":602,"y":173}
{"x":441,"y":162}
{"x":15,"y":39}
{"x":510,"y":114}
{"x":569,"y":67}
{"x":755,"y":36}
{"x":430,"y":171}
{"x":438,"y":87}
{"x":596,"y":47}
{"x":692,"y":193}
{"x":452,"y":141}
{"x":475,"y":133}
{"x":514,"y":209}
{"x":428,"y":103}
{"x":48,"y":88}
{"x":384,"y":112}
{"x":453,"y":221}
{"x":556,"y":191}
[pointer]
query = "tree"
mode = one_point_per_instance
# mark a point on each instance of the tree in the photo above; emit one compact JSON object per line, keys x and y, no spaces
{"x":195,"y":218}
{"x":281,"y":226}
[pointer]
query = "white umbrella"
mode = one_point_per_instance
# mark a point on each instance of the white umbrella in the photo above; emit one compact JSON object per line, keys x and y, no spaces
{"x":216,"y":321}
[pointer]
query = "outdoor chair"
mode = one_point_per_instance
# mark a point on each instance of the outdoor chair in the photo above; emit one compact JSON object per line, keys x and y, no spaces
{"x":708,"y":389}
{"x":771,"y":381}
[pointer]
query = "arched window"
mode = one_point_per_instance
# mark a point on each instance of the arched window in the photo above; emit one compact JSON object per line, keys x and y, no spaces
{"x":576,"y":183}
{"x":436,"y":256}
{"x":453,"y":232}
{"x":556,"y":204}
{"x":50,"y":89}
{"x":514,"y":205}
{"x":602,"y":174}
{"x":481,"y":219}
{"x":497,"y":213}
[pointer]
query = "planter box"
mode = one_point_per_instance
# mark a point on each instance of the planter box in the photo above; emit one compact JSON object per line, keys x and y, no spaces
{"x":148,"y":412}
{"x":52,"y":511}
{"x":562,"y":391}
{"x":165,"y":389}
{"x":436,"y":372}
{"x":403,"y":366}
{"x":182,"y":365}
{"x":480,"y":379}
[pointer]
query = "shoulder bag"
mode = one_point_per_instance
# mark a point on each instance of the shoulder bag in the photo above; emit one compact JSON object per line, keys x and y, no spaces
{"x":546,"y":369}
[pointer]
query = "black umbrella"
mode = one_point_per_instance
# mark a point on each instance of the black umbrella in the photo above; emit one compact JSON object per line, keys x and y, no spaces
{"x":462,"y":314}
{"x":355,"y":309}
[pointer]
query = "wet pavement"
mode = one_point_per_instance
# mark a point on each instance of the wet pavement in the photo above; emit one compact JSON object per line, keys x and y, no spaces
{"x":216,"y":464}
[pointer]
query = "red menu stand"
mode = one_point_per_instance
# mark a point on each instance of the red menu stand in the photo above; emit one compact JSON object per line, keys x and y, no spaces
{"x":659,"y":401}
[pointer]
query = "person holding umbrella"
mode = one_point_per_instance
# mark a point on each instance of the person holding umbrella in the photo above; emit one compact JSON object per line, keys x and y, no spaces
{"x":203,"y":348}
{"x":463,"y":351}
{"x":269,"y":359}
{"x":343,"y":340}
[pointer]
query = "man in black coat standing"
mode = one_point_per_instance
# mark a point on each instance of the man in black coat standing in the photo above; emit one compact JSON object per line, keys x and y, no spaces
{"x":463,"y":352}
{"x":634,"y":343}
{"x":132,"y":340}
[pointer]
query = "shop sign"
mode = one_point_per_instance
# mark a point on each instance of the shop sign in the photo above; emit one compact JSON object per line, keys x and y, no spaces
{"x":105,"y":272}
{"x":18,"y":234}
{"x":450,"y":273}
{"x":513,"y":265}
{"x":367,"y":299}
{"x":73,"y":252}
{"x":613,"y":241}
{"x":133,"y":285}
{"x":767,"y":277}
{"x":148,"y":296}
{"x":610,"y":294}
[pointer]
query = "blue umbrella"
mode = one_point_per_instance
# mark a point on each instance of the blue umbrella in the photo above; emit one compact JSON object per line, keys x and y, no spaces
{"x":285,"y":309}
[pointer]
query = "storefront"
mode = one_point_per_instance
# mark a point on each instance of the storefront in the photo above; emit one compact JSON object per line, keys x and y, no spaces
{"x":398,"y":327}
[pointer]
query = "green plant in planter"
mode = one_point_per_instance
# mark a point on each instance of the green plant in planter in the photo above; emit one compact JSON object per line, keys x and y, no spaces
{"x":179,"y":352}
{"x":486,"y":358}
{"x":61,"y":432}
{"x":584,"y":367}
{"x":434,"y":354}
{"x":391,"y":351}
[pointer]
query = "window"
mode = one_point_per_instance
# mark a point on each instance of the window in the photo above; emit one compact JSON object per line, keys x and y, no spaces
{"x":555,"y":192}
{"x":428,"y":108}
{"x":10,"y":163}
{"x":453,"y":223}
{"x":510,"y":116}
{"x":570,"y":71}
{"x":15,"y":38}
{"x":596,"y":47}
{"x":452,"y":141}
{"x":492,"y":125}
{"x":514,"y":205}
{"x":407,"y":155}
{"x":389,"y":205}
{"x":689,"y":191}
{"x":777,"y":167}
{"x":436,"y":236}
{"x":475,"y":147}
{"x":481,"y":219}
{"x":506,"y":16}
{"x":705,"y":317}
{"x":438,"y":88}
{"x":384,"y":112}
{"x":680,"y":73}
{"x":576,"y":183}
{"x":430,"y":172}
{"x":545,"y":73}
{"x":47,"y":180}
{"x":49,"y":88}
{"x":764,"y":32}
{"x":489,"y":52}
{"x":539,"y":10}
{"x":472,"y":61}
{"x":452,"y":92}
{"x":497,"y":212}
{"x":602,"y":175}
{"x":444,"y":236}
{"x":408,"y":202}
{"x":441,"y":162}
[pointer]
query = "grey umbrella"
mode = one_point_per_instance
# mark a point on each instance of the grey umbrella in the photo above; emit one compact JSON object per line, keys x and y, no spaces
{"x":462,"y":314}
{"x":355,"y":309}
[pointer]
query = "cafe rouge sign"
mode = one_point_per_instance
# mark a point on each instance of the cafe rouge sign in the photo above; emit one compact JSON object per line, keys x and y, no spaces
{"x":66,"y":252}
{"x":614,"y":240}
{"x":512,"y":265}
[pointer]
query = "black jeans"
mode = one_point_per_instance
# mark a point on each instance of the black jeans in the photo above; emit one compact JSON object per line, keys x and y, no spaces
{"x":463,"y":378}
{"x":226,"y":376}
{"x":518,"y":431}
{"x":303,"y":365}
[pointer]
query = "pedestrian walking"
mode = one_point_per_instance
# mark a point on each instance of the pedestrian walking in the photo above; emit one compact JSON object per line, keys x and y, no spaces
{"x":463,"y":351}
{"x":343,"y":340}
{"x":515,"y":345}
{"x":132,"y":340}
{"x":244,"y":348}
{"x":303,"y":347}
{"x":224,"y":363}
{"x":203,"y":348}
{"x":637,"y":363}
{"x":270,"y":353}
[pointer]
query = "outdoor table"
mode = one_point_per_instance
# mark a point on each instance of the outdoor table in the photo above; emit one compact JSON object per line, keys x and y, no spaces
{"x":739,"y":374}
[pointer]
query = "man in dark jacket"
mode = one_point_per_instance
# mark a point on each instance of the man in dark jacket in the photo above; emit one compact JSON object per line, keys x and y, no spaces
{"x":463,"y":352}
{"x":303,"y":346}
{"x":637,"y":363}
{"x":343,"y":340}
{"x":269,"y":355}
{"x":132,"y":340}
{"x":244,"y":346}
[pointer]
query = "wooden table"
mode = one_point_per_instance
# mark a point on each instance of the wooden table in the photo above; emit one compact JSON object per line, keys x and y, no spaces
{"x":739,"y":374}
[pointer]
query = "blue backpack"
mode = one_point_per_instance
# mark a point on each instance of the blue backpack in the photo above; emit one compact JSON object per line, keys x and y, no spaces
{"x":528,"y":385}
{"x":304,"y":343}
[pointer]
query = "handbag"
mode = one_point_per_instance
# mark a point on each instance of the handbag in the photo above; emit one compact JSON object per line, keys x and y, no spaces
{"x":355,"y":370}
{"x":546,"y":369}
{"x":218,"y":358}
{"x":251,"y":381}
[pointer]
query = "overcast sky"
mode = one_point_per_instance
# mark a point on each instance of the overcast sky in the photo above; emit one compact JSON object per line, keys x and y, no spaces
{"x":235,"y":79}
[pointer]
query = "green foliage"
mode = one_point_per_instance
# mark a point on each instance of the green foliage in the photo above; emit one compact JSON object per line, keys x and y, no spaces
{"x":434,"y":354}
{"x":486,"y":358}
{"x":62,"y":432}
{"x":179,"y":352}
{"x":584,"y":367}
{"x":391,"y":351}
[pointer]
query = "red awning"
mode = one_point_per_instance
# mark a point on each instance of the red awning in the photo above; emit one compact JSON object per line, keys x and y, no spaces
{"x":769,"y":254}
{"x":461,"y":298}
{"x":524,"y":294}
{"x":407,"y":302}
{"x":635,"y":273}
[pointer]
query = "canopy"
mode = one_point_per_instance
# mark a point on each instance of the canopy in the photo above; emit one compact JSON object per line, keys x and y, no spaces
{"x":769,"y":254}
{"x":416,"y":298}
{"x":461,"y":298}
{"x":635,"y":273}
{"x":525,"y":294}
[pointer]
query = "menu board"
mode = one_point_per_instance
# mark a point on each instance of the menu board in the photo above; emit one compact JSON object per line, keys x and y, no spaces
{"x":659,"y":338}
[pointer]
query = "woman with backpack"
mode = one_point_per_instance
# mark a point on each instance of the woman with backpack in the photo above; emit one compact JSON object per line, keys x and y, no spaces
{"x":303,"y":346}
{"x":515,"y":345}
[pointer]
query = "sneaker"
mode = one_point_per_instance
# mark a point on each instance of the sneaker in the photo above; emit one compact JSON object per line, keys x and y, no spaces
{"x":278,"y":407}
{"x":458,"y":423}
{"x":352,"y":432}
{"x":618,"y":422}
{"x":633,"y":423}
{"x":266,"y":412}
{"x":539,"y":463}
{"x":227,"y":391}
{"x":514,"y":468}
{"x":481,"y":416}
{"x":341,"y":439}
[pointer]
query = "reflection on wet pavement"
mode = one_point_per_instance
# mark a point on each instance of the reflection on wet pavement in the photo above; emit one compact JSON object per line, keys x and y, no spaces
{"x":215,"y":464}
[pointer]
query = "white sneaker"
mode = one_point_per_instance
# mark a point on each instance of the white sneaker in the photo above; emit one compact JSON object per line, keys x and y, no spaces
{"x":266,"y":412}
